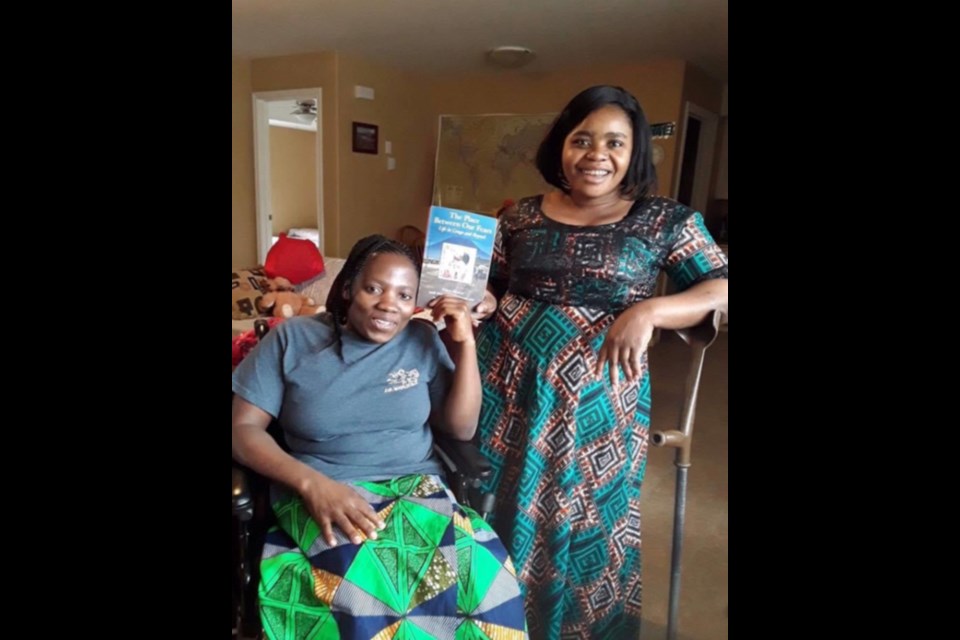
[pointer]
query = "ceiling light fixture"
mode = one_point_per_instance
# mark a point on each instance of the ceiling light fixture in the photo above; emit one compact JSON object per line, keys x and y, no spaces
{"x":510,"y":57}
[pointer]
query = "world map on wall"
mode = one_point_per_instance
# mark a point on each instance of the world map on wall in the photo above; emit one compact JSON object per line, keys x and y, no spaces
{"x":483,"y":160}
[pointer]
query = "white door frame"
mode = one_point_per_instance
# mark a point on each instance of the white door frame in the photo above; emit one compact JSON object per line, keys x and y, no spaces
{"x":261,"y":164}
{"x":706,"y":151}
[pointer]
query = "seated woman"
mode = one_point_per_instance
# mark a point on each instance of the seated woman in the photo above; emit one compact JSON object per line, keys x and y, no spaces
{"x":370,"y":542}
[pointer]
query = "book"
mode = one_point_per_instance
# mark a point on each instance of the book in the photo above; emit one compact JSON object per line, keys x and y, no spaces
{"x":456,"y":255}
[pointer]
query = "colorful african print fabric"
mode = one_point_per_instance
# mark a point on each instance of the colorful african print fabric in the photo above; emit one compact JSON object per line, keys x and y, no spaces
{"x":437,"y":571}
{"x":568,"y":450}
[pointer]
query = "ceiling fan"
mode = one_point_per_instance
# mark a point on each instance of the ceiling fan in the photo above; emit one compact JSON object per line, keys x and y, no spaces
{"x":305,"y":110}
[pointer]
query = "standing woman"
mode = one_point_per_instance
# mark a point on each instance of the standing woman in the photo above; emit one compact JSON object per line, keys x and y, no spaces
{"x":566,"y":389}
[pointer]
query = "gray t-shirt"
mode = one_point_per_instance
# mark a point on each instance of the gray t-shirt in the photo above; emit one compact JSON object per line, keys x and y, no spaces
{"x":350,"y":408}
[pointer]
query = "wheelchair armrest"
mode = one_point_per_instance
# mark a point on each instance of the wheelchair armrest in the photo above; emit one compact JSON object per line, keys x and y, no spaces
{"x":242,"y":496}
{"x":462,"y":457}
{"x":466,"y":468}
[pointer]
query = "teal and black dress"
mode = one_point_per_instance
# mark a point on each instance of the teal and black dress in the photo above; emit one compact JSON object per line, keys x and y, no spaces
{"x":569,"y":451}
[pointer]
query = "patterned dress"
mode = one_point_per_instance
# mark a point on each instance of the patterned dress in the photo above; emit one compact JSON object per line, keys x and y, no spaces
{"x":569,"y":451}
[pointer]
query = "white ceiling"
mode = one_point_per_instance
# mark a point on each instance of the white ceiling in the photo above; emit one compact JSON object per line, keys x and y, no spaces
{"x":280,"y":114}
{"x":433,"y":36}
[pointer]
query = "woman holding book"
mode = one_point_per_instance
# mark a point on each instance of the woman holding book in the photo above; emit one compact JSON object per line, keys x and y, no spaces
{"x":566,"y":390}
{"x":370,"y":541}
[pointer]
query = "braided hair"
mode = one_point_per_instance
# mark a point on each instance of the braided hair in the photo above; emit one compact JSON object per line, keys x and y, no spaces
{"x":360,"y":254}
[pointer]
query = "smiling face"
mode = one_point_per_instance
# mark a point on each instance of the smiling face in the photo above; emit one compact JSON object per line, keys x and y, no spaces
{"x":382,"y":297}
{"x":596,"y":153}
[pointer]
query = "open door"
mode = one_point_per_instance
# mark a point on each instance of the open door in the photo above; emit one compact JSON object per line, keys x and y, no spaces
{"x":697,"y":152}
{"x":273,"y":110}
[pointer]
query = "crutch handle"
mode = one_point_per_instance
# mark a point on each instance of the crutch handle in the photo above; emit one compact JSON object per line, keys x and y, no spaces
{"x":672,"y":438}
{"x":699,"y":337}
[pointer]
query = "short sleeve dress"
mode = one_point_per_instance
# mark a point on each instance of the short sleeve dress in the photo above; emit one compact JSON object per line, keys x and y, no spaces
{"x":569,"y":451}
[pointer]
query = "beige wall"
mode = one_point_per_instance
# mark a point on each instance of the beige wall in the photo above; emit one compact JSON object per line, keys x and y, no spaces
{"x":719,"y":189}
{"x":244,"y":209}
{"x":704,"y":91}
{"x":304,"y":72}
{"x":720,"y":186}
{"x":293,"y":178}
{"x":361,"y":196}
{"x":658,"y":85}
{"x":701,"y":89}
{"x":374,"y":199}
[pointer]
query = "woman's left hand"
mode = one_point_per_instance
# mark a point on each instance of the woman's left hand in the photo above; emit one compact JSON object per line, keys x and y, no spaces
{"x":484,"y":308}
{"x":456,"y":315}
{"x":626,"y":342}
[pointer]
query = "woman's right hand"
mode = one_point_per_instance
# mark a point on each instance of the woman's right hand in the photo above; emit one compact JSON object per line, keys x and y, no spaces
{"x":328,"y":501}
{"x":333,"y":503}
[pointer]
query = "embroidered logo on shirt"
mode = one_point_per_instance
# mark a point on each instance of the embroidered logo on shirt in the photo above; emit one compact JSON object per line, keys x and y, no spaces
{"x":400,"y":380}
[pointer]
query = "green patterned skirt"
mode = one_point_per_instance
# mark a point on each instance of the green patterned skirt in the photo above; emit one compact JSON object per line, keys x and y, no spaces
{"x":436,"y":571}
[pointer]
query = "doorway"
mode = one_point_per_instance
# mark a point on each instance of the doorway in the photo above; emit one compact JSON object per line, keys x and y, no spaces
{"x":288,"y":165}
{"x":697,"y":151}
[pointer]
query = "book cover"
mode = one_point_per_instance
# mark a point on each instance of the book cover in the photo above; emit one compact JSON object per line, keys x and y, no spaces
{"x":456,"y":255}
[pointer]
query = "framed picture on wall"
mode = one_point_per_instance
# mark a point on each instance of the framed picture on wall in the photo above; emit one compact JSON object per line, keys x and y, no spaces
{"x":365,"y":137}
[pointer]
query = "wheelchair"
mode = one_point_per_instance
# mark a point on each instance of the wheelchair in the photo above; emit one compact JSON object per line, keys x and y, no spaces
{"x":464,"y":466}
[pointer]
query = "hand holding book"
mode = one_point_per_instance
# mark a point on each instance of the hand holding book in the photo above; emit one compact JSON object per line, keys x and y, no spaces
{"x":456,"y":259}
{"x":456,"y":316}
{"x":485,"y":308}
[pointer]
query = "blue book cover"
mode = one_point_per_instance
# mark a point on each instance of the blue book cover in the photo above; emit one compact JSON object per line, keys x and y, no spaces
{"x":456,"y":255}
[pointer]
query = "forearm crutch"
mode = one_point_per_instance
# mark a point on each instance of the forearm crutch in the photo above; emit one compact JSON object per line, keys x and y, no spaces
{"x":699,"y":338}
